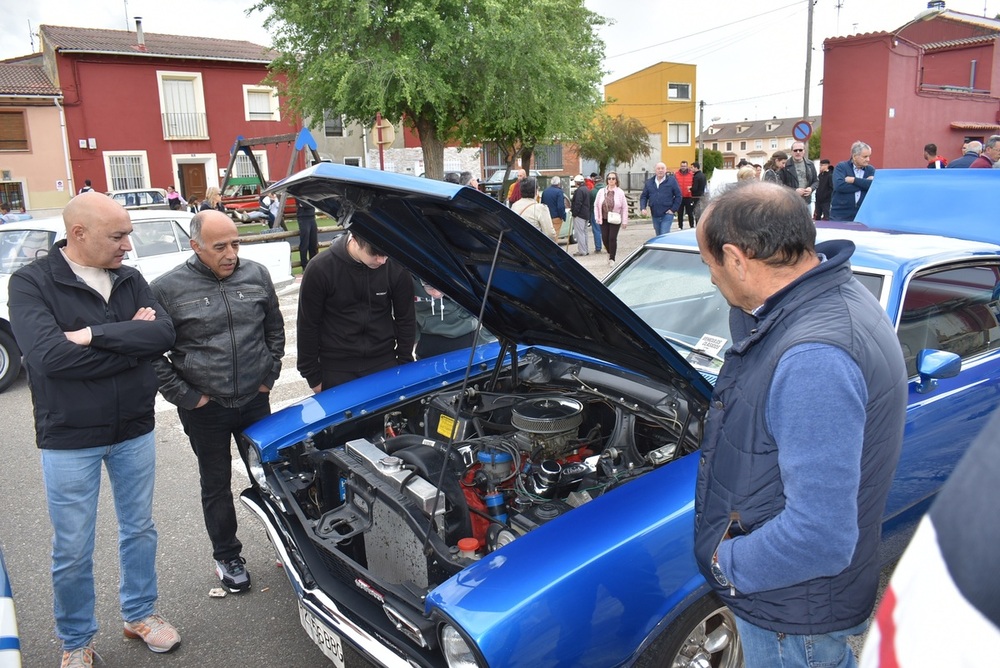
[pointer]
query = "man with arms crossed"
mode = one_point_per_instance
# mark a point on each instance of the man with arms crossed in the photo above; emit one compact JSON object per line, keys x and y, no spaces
{"x":88,"y":327}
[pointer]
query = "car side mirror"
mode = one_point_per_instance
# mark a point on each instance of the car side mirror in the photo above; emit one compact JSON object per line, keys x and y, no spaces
{"x":935,"y":364}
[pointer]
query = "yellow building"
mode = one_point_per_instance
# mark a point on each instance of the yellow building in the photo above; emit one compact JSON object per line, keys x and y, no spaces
{"x":662,"y":97}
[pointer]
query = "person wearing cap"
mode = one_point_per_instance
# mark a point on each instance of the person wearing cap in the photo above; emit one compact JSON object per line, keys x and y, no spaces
{"x":580,"y":210}
{"x":356,"y":314}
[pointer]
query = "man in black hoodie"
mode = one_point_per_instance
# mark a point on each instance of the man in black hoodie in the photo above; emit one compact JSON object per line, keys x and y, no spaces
{"x":355,"y":315}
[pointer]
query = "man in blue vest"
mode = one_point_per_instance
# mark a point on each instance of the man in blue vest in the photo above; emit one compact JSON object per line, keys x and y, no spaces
{"x":802,"y":435}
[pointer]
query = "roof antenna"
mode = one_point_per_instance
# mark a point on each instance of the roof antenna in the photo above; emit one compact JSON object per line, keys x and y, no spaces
{"x":125,"y":2}
{"x":31,"y":36}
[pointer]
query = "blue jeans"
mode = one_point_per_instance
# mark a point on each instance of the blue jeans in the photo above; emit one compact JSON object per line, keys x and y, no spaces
{"x":662,"y":224}
{"x":72,"y":486}
{"x":596,"y":229}
{"x":768,"y":649}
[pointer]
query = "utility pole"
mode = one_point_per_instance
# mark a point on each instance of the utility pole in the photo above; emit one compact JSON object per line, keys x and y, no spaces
{"x":809,"y":57}
{"x":701,"y":134}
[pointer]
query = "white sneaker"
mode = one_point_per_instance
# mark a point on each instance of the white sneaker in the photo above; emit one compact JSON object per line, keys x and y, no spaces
{"x":611,"y":264}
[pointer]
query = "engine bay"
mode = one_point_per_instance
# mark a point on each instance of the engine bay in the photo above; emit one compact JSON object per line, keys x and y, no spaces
{"x":413,"y":495}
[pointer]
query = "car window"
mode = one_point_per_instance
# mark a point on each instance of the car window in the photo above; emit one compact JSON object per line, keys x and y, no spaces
{"x":953,"y":309}
{"x":19,"y":247}
{"x":673,"y":292}
{"x":158,"y":237}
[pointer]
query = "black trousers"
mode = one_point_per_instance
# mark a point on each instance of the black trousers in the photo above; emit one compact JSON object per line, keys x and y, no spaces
{"x":211,"y":429}
{"x":308,"y":241}
{"x":687,"y":205}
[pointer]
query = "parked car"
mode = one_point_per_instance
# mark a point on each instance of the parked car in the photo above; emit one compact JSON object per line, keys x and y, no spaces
{"x":492,"y":185}
{"x":160,"y":241}
{"x":242,"y":197}
{"x":530,"y":502}
{"x":10,"y":643}
{"x":148,"y":198}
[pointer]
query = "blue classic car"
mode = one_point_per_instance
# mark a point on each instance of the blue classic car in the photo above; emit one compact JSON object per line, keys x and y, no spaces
{"x":530,"y":502}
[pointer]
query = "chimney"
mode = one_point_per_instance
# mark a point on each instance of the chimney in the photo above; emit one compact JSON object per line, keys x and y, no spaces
{"x":139,"y":37}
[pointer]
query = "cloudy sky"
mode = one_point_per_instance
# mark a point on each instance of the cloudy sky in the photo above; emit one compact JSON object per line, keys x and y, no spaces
{"x":750,"y":55}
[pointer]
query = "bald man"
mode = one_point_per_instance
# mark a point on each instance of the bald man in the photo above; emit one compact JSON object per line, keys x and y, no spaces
{"x":87,"y":327}
{"x":227,"y":318}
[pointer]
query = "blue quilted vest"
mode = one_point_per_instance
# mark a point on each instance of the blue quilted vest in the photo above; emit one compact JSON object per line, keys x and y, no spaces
{"x":739,"y":463}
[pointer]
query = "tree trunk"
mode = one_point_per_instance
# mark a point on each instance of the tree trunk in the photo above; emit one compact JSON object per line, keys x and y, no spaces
{"x":432,"y":147}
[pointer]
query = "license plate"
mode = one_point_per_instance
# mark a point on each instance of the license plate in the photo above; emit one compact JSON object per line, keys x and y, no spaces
{"x":325,"y":638}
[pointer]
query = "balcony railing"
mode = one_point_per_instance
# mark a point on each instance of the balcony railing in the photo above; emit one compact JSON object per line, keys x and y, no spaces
{"x":185,"y":126}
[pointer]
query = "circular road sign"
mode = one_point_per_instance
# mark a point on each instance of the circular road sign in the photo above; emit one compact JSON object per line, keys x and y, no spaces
{"x":802,"y":130}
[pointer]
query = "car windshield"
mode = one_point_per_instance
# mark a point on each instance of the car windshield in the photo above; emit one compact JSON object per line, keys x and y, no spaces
{"x":19,"y":247}
{"x":672,"y":291}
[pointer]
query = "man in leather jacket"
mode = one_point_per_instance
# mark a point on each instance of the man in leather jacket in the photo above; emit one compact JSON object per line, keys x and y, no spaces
{"x":227,"y":356}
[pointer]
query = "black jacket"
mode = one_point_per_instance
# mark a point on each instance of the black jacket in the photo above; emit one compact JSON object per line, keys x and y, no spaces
{"x":87,"y":396}
{"x":581,"y":205}
{"x":790,"y":177}
{"x":350,"y":315}
{"x":699,"y":184}
{"x":230,"y":334}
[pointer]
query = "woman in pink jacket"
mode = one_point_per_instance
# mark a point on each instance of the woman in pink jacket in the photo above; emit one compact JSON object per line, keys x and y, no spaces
{"x":611,"y":211}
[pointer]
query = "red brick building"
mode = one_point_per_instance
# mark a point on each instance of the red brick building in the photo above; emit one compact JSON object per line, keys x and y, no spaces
{"x":151,"y":110}
{"x":934,"y":80}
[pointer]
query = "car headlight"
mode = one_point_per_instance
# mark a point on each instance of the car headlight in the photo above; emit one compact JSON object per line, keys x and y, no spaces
{"x":457,"y":652}
{"x":256,"y":468}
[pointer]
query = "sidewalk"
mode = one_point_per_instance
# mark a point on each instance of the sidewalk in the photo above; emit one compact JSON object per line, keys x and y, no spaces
{"x":638,"y":232}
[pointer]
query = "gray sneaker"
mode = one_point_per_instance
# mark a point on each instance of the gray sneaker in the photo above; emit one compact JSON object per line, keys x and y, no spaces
{"x":82,"y":657}
{"x":234,"y":575}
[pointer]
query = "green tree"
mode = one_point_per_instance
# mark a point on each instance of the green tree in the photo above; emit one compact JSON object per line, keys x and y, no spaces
{"x":815,"y":141}
{"x":711,"y":162}
{"x":619,"y":139}
{"x":453,"y":70}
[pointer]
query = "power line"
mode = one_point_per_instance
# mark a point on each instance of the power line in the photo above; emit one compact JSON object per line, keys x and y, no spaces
{"x":702,"y":32}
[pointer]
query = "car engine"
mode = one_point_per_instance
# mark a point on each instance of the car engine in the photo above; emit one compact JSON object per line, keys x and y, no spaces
{"x":408,"y":498}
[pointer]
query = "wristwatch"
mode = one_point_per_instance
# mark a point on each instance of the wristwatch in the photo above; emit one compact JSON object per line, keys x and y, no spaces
{"x":720,"y":577}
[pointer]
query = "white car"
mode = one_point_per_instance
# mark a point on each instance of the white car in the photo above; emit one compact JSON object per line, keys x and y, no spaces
{"x":160,"y":241}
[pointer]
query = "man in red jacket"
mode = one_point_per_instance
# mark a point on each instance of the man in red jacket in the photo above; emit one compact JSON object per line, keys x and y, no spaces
{"x":685,"y":177}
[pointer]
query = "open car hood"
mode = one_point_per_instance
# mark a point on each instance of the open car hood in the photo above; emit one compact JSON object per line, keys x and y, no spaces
{"x":449,"y":235}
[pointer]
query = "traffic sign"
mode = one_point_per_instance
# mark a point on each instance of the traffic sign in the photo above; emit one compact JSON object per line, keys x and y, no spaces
{"x":802,"y":130}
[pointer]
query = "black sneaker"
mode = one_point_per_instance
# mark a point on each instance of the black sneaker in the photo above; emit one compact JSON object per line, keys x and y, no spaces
{"x":235,"y":577}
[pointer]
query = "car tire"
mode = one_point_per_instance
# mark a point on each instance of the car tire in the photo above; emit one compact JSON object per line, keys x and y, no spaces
{"x":704,"y":635}
{"x":10,"y":360}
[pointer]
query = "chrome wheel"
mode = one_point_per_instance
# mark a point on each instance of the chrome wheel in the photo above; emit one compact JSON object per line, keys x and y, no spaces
{"x":712,"y":642}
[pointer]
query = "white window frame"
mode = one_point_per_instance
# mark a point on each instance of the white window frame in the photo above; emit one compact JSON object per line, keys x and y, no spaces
{"x":758,"y":144}
{"x":674,"y":86}
{"x":199,"y":100}
{"x":774,"y":143}
{"x":355,"y":161}
{"x":687,"y":130}
{"x":272,"y":98}
{"x":107,"y":155}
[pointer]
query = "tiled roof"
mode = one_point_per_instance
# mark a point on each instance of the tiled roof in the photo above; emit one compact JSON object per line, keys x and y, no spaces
{"x":964,"y":41}
{"x":125,"y":42}
{"x":25,"y":79}
{"x":981,"y":21}
{"x":780,"y":127}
